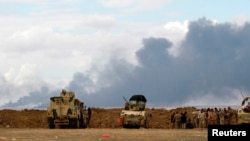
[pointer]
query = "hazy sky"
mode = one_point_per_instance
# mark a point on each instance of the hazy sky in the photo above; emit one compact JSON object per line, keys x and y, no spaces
{"x":175,"y":52}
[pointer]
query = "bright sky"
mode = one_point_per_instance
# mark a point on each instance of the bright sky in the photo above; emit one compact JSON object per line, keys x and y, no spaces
{"x":44,"y":43}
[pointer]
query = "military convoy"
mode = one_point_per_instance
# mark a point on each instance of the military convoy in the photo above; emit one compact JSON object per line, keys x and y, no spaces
{"x":134,"y":114}
{"x":67,"y":111}
{"x":243,"y":113}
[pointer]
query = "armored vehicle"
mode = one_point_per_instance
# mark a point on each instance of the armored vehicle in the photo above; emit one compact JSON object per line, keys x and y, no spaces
{"x":243,"y":113}
{"x":134,"y":113}
{"x":67,"y":111}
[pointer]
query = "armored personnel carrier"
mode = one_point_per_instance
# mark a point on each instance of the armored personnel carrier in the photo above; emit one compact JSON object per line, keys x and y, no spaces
{"x":134,"y":114}
{"x":243,"y":113}
{"x":67,"y":111}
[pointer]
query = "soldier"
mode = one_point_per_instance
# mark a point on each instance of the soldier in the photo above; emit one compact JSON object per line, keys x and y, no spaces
{"x":209,"y":116}
{"x":213,"y":117}
{"x":196,"y":118}
{"x":233,"y":117}
{"x":177,"y":120}
{"x":183,"y":120}
{"x":126,"y":106}
{"x":221,"y":117}
{"x":229,"y":114}
{"x":202,"y":119}
{"x":226,"y":116}
{"x":89,"y":113}
{"x":172,"y":120}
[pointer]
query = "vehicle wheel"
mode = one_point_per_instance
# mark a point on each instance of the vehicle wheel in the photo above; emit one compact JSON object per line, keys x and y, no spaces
{"x":86,"y":123}
{"x":51,"y":123}
{"x":52,"y":126}
{"x":73,"y":123}
{"x":77,"y":123}
{"x":62,"y":126}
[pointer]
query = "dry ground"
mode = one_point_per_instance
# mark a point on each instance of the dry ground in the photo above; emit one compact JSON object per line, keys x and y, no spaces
{"x":98,"y":134}
{"x":31,"y":125}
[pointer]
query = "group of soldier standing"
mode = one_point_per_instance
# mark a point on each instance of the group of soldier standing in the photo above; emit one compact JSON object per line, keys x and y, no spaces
{"x":201,"y":118}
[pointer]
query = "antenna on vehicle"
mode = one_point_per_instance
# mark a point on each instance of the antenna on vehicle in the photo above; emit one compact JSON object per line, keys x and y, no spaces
{"x":243,"y":96}
{"x":125,"y":99}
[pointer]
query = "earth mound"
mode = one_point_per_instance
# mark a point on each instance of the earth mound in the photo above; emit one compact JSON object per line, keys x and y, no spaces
{"x":101,"y":117}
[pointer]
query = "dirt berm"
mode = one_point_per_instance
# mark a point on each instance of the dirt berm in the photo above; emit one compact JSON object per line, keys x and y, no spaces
{"x":101,"y":117}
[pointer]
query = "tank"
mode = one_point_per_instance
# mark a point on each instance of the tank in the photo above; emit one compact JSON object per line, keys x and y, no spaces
{"x":67,"y":111}
{"x":243,"y":113}
{"x":134,"y":113}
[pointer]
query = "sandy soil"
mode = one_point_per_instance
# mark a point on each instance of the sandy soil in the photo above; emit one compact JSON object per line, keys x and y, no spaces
{"x":91,"y":134}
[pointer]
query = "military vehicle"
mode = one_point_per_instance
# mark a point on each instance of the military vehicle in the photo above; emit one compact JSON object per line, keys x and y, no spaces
{"x":243,"y":113}
{"x":67,"y":111}
{"x":134,"y":114}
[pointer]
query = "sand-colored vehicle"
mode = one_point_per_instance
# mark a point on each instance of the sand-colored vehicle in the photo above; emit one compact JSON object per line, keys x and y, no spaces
{"x":243,"y":113}
{"x":67,"y":111}
{"x":134,"y":113}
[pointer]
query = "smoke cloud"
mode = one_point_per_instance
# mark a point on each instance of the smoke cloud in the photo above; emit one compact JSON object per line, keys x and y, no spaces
{"x":211,"y":68}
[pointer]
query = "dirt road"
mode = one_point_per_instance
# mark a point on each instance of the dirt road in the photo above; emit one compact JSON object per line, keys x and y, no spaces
{"x":30,"y":134}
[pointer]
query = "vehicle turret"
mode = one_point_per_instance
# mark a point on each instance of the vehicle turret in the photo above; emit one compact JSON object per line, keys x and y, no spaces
{"x":134,"y":113}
